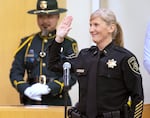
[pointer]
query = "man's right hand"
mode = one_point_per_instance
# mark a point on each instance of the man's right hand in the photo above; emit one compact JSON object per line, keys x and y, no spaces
{"x":35,"y":91}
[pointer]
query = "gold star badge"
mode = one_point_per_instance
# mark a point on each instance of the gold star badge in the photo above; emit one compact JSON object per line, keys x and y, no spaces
{"x":111,"y":63}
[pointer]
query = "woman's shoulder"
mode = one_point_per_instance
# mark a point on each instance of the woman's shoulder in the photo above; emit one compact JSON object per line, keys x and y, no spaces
{"x":89,"y":50}
{"x":124,"y":51}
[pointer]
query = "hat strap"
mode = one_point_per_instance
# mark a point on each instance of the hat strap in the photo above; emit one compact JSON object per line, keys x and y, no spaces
{"x":46,"y":11}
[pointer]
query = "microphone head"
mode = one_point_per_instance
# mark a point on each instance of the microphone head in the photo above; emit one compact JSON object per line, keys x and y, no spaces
{"x":66,"y":65}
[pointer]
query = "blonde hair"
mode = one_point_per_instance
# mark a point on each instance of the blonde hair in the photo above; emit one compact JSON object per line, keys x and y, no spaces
{"x":109,"y":17}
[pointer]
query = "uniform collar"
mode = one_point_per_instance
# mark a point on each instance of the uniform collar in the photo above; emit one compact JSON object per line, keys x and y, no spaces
{"x":95,"y":50}
{"x":108,"y":48}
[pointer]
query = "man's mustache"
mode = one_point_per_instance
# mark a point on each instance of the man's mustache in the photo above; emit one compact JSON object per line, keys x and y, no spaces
{"x":45,"y":25}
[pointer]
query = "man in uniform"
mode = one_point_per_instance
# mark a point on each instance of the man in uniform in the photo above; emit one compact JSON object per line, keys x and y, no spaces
{"x":42,"y":86}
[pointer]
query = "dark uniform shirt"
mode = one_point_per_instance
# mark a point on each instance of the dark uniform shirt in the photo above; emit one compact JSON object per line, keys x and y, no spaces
{"x":106,"y":78}
{"x":31,"y":58}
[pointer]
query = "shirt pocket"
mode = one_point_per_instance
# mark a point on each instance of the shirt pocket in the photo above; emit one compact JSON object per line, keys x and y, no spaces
{"x":110,"y":73}
{"x":110,"y":80}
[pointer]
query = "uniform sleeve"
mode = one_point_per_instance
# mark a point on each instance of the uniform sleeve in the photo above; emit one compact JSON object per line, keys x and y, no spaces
{"x":133,"y":82}
{"x":71,"y":51}
{"x":146,"y":61}
{"x":69,"y":48}
{"x":59,"y":53}
{"x":17,"y":72}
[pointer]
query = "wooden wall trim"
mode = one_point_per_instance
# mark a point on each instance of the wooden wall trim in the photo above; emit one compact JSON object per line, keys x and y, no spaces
{"x":146,"y":111}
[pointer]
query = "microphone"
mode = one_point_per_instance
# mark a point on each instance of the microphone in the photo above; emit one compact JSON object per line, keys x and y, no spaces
{"x":66,"y":76}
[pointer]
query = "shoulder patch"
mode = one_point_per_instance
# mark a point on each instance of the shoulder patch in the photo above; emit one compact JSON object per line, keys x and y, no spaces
{"x":75,"y":48}
{"x":133,"y":65}
{"x":74,"y":44}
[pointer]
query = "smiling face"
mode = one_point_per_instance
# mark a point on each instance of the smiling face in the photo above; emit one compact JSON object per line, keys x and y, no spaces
{"x":102,"y":27}
{"x":101,"y":32}
{"x":47,"y":22}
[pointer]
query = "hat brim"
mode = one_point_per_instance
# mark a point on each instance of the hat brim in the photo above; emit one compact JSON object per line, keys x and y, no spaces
{"x":55,"y":11}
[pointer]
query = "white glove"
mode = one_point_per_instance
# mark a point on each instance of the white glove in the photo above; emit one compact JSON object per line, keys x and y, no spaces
{"x":40,"y":89}
{"x":36,"y":91}
{"x":29,"y":93}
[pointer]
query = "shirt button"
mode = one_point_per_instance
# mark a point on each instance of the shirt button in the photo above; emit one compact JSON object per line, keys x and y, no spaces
{"x":60,"y":96}
{"x":45,"y":41}
{"x":49,"y":34}
{"x":44,"y":64}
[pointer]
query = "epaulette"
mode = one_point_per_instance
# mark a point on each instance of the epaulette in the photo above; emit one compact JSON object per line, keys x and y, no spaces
{"x":92,"y":48}
{"x":88,"y":49}
{"x":69,"y":38}
{"x":24,"y":43}
{"x":123,"y":50}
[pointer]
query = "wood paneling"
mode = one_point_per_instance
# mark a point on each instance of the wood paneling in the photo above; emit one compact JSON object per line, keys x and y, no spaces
{"x":146,"y":112}
{"x":43,"y":112}
{"x":31,"y":112}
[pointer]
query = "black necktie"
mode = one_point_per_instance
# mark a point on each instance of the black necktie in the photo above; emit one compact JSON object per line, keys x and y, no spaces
{"x":91,"y":107}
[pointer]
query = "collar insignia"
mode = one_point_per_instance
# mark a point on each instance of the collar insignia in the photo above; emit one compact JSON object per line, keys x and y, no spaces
{"x":111,"y":63}
{"x":43,"y":4}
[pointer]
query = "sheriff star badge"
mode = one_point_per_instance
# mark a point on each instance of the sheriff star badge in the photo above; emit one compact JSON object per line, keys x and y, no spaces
{"x":111,"y":63}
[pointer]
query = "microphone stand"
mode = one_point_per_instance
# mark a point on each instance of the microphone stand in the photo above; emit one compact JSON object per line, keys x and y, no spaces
{"x":66,"y":88}
{"x":66,"y":78}
{"x":65,"y":99}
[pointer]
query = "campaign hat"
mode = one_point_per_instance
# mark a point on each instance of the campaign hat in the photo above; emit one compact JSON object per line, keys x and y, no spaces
{"x":47,"y":7}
